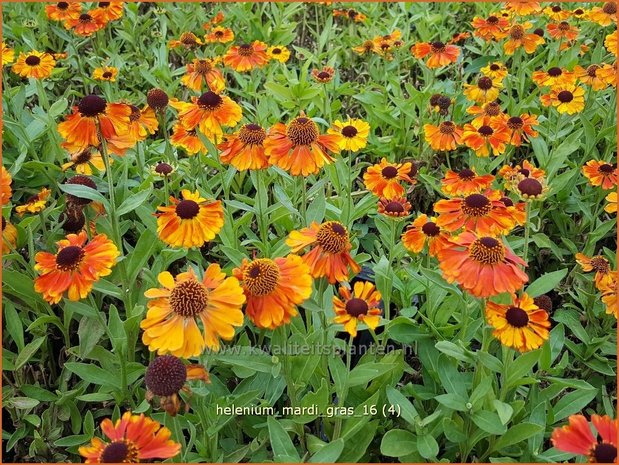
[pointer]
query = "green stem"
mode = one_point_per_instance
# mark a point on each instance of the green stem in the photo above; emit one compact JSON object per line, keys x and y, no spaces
{"x":337,"y":430}
{"x":527,"y":231}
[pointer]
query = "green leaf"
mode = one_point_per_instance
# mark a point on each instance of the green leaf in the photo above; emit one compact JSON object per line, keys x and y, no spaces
{"x":92,"y":374}
{"x":489,"y":422}
{"x":23,"y":403}
{"x":505,"y":411}
{"x":283,"y":449}
{"x":84,"y":192}
{"x":516,"y":434}
{"x":25,"y":355}
{"x":521,"y":366}
{"x":398,"y":442}
{"x":546,"y":283}
{"x":427,"y":446}
{"x":407,"y":410}
{"x":363,"y":374}
{"x":573,"y":402}
{"x":133,"y":202}
{"x":329,"y":453}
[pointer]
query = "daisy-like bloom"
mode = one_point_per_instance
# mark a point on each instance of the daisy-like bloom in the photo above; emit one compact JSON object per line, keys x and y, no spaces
{"x":354,"y":133}
{"x":522,"y":325}
{"x":83,"y":161}
{"x":601,"y":173}
{"x":5,"y":187}
{"x":485,"y":113}
{"x":606,"y":15}
{"x":485,"y":90}
{"x":34,"y":65}
{"x":465,"y":182}
{"x":142,"y":122}
{"x":171,"y":323}
{"x":517,"y":37}
{"x":157,"y":99}
{"x":162,"y":169}
{"x":8,"y":54}
{"x":187,"y":139}
{"x":274,"y":288}
{"x":351,"y":14}
{"x":438,"y":53}
{"x":523,"y":7}
{"x":203,"y":70}
{"x":445,"y":137}
{"x":576,"y":438}
{"x":459,"y":37}
{"x":279,"y":53}
{"x":532,"y":189}
{"x":133,"y":439}
{"x":567,"y":98}
{"x":579,"y":13}
{"x":424,"y":229}
{"x":486,"y":138}
{"x":521,"y":128}
{"x":208,"y":113}
{"x":63,"y":11}
{"x":365,"y":48}
{"x":514,"y":174}
{"x":106,"y":73}
{"x":516,"y":210}
{"x":484,"y":266}
{"x":245,"y":149}
{"x":599,"y":264}
{"x":186,"y":40}
{"x":610,"y":42}
{"x":491,"y":28}
{"x":398,"y":207}
{"x":85,"y":25}
{"x":495,"y":71}
{"x":481,"y":213}
{"x":80,"y":128}
{"x":359,"y":306}
{"x":34,"y":204}
{"x":611,"y":207}
{"x":562,"y":30}
{"x":166,"y":376}
{"x":9,"y":237}
{"x":383,"y":179}
{"x":190,"y":222}
{"x":75,"y":267}
{"x":323,"y":75}
{"x":246,"y":57}
{"x":299,"y":148}
{"x":330,"y":250}
{"x":556,"y":13}
{"x":609,"y":294}
{"x":597,"y":76}
{"x":554,"y":76}
{"x":220,"y":34}
{"x":108,"y":11}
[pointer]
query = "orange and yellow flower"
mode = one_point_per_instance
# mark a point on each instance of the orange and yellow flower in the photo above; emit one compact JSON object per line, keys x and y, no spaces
{"x":330,"y":250}
{"x":495,"y":71}
{"x":245,"y":149}
{"x":142,"y":122}
{"x":521,"y":325}
{"x":5,"y":187}
{"x":484,"y":266}
{"x":554,"y":76}
{"x":351,"y":14}
{"x":609,"y":295}
{"x":220,"y":34}
{"x":599,"y":264}
{"x":517,"y":37}
{"x":105,"y":73}
{"x":446,"y":136}
{"x":323,"y":75}
{"x":576,"y":438}
{"x":600,"y":173}
{"x":485,"y":90}
{"x":82,"y":161}
{"x":611,"y":206}
{"x":299,"y":148}
{"x":523,"y":7}
{"x":8,"y":54}
{"x":34,"y":204}
{"x":354,"y":133}
{"x":203,"y":70}
{"x":383,"y":179}
{"x":34,"y":65}
{"x":359,"y":306}
{"x":610,"y":42}
{"x":485,"y":113}
{"x":86,"y":24}
{"x":599,"y":77}
{"x":190,"y":222}
{"x":63,"y":11}
{"x":366,"y":47}
{"x":556,"y":13}
{"x":562,"y":30}
{"x":491,"y":28}
{"x":279,"y":53}
{"x":187,"y":139}
{"x":397,"y":207}
{"x":465,"y":182}
{"x":75,"y":267}
{"x":186,"y":40}
{"x":171,"y":323}
{"x":604,"y":16}
{"x":438,"y":54}
{"x":246,"y":57}
{"x":208,"y":113}
{"x":9,"y":237}
{"x":133,"y":439}
{"x":274,"y":288}
{"x":108,"y":11}
{"x":521,"y":128}
{"x":486,"y":138}
{"x":567,"y":98}
{"x":424,"y":229}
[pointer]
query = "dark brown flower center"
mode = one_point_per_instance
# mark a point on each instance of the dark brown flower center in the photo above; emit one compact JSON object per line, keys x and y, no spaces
{"x":556,"y":9}
{"x":600,"y":264}
{"x":85,"y":18}
{"x":135,"y":113}
{"x":246,"y":50}
{"x":332,"y":236}
{"x":555,"y":72}
{"x":466,"y":174}
{"x":115,"y":452}
{"x":516,"y":317}
{"x":530,"y":187}
{"x":107,"y":75}
{"x":219,"y":33}
{"x":610,"y":8}
{"x":485,"y":131}
{"x":91,"y":105}
{"x":252,"y":134}
{"x":539,"y":32}
{"x":564,"y":26}
{"x":438,"y":47}
{"x":476,"y":205}
{"x":276,"y":51}
{"x":33,"y":60}
{"x":261,"y":277}
{"x":444,"y":102}
{"x":187,"y":209}
{"x":516,"y":32}
{"x":604,"y":453}
{"x":487,"y":251}
{"x":492,"y":20}
{"x":492,"y":109}
{"x":188,"y":38}
{"x":210,"y":101}
{"x":507,"y":201}
{"x":157,"y":99}
{"x":166,"y":375}
{"x":606,"y":168}
{"x":163,"y":169}
{"x":69,"y":258}
{"x":544,"y":302}
{"x":579,"y":12}
{"x":565,"y":96}
{"x":494,"y":67}
{"x":203,"y":66}
{"x":3,"y":223}
{"x":302,"y":131}
{"x":324,"y":75}
{"x":394,"y":207}
{"x":352,"y":14}
{"x":356,"y":307}
{"x":389,"y":172}
{"x":484,"y":83}
{"x":80,"y":180}
{"x":592,"y":70}
{"x":62,"y":5}
{"x":431,"y":229}
{"x":104,"y":4}
{"x":447,"y":127}
{"x":349,"y":131}
{"x":515,"y":122}
{"x":525,"y":172}
{"x":434,"y":99}
{"x":188,"y":298}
